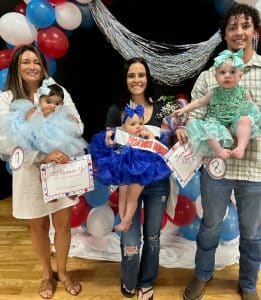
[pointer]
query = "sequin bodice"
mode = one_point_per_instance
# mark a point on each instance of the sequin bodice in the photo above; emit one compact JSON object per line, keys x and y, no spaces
{"x":225,"y":103}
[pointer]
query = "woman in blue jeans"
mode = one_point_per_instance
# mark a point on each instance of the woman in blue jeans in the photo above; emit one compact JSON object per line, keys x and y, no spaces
{"x":140,"y":272}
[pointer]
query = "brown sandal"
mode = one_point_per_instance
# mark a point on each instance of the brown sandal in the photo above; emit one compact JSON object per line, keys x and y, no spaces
{"x":72,"y":287}
{"x":47,"y":287}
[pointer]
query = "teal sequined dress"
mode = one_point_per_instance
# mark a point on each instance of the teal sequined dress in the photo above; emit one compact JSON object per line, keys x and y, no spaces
{"x":224,"y":111}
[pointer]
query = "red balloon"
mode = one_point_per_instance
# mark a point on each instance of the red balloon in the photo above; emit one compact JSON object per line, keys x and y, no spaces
{"x":5,"y":58}
{"x":80,"y":212}
{"x":164,"y":220}
{"x":185,"y":212}
{"x":114,"y":201}
{"x":57,"y":2}
{"x":21,"y":8}
{"x":53,"y":42}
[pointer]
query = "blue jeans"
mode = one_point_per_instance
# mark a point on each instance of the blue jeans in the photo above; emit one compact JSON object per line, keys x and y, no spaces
{"x":215,"y":195}
{"x":142,"y":271}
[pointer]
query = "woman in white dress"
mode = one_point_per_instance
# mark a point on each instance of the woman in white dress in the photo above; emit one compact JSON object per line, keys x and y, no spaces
{"x":26,"y":73}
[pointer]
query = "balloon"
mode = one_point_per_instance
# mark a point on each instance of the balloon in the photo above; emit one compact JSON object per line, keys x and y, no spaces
{"x":53,"y":42}
{"x":51,"y":65}
{"x":199,"y":209}
{"x":8,"y":168}
{"x":84,"y":1}
{"x":192,"y":189}
{"x":99,"y":196}
{"x":185,"y":211}
{"x":15,"y":29}
{"x":27,"y":1}
{"x":3,"y":75}
{"x":190,"y":231}
{"x":248,"y":2}
{"x":230,"y":226}
{"x":100,"y":221}
{"x":87,"y":18}
{"x":80,"y":212}
{"x":113,"y":202}
{"x":5,"y":58}
{"x":223,"y":6}
{"x":57,"y":2}
{"x":20,"y":8}
{"x":164,"y":220}
{"x":68,"y":15}
{"x":40,"y":13}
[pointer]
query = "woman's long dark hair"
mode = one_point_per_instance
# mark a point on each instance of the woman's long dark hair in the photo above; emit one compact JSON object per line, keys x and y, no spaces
{"x":126,"y":95}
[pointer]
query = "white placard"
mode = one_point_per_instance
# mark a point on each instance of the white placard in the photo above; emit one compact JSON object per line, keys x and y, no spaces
{"x":16,"y":158}
{"x":72,"y":178}
{"x":183,"y":162}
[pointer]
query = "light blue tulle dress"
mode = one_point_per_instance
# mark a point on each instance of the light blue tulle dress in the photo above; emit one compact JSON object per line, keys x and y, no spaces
{"x":224,"y":111}
{"x":120,"y":165}
{"x":45,"y":134}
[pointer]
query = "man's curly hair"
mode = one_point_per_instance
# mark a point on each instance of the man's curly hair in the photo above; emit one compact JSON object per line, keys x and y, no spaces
{"x":241,"y":9}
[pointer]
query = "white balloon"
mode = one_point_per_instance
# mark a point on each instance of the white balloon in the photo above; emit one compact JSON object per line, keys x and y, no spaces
{"x":248,"y":2}
{"x":100,"y":221}
{"x":27,"y":1}
{"x":84,"y":1}
{"x":68,"y":15}
{"x":16,"y":30}
{"x":199,"y":209}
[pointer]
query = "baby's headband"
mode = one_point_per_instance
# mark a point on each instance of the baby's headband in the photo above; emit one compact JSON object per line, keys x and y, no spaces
{"x":43,"y":89}
{"x":129,"y":112}
{"x":237,"y":58}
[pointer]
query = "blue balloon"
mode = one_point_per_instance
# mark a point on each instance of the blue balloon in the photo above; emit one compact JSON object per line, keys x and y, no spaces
{"x":223,"y":6}
{"x":51,"y":65}
{"x":99,"y":196}
{"x":190,"y":231}
{"x":40,"y":13}
{"x":9,"y":46}
{"x":192,"y":189}
{"x":3,"y":76}
{"x":230,"y":226}
{"x":87,"y":18}
{"x":8,"y":168}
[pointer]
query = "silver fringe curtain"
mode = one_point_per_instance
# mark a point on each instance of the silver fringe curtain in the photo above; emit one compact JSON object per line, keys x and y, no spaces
{"x":166,"y":65}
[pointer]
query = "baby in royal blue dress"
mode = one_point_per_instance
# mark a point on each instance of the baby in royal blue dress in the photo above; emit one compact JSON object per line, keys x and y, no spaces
{"x":128,"y":167}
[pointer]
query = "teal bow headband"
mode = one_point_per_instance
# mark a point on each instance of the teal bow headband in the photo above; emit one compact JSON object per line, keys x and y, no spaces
{"x":44,"y":90}
{"x":129,"y":112}
{"x":237,"y":58}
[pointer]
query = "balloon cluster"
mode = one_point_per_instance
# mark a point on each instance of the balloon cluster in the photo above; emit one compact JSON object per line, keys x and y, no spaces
{"x":188,"y":212}
{"x":47,"y":23}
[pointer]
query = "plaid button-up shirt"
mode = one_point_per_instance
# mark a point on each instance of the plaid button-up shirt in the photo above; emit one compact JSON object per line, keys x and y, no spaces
{"x":248,"y":168}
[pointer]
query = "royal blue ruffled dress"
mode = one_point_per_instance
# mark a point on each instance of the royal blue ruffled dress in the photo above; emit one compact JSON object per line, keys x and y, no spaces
{"x":224,"y":111}
{"x":120,"y":165}
{"x":38,"y":133}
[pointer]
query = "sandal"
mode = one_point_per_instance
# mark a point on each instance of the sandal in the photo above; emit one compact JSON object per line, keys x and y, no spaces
{"x":145,"y":292}
{"x":46,"y":288}
{"x":72,"y":287}
{"x":125,"y":292}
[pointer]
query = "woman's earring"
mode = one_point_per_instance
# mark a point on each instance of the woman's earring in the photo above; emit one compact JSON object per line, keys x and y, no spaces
{"x":255,"y":40}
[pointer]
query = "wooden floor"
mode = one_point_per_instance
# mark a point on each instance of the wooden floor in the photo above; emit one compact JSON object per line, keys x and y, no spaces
{"x":20,"y":272}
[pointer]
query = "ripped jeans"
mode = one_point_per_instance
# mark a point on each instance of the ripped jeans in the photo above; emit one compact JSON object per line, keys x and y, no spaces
{"x":136,"y":270}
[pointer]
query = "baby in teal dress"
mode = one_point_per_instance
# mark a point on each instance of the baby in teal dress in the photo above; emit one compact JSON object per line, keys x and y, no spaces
{"x":229,"y":110}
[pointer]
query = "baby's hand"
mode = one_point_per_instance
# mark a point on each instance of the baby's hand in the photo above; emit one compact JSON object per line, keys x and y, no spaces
{"x":29,"y":113}
{"x":178,"y":112}
{"x":147,"y":134}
